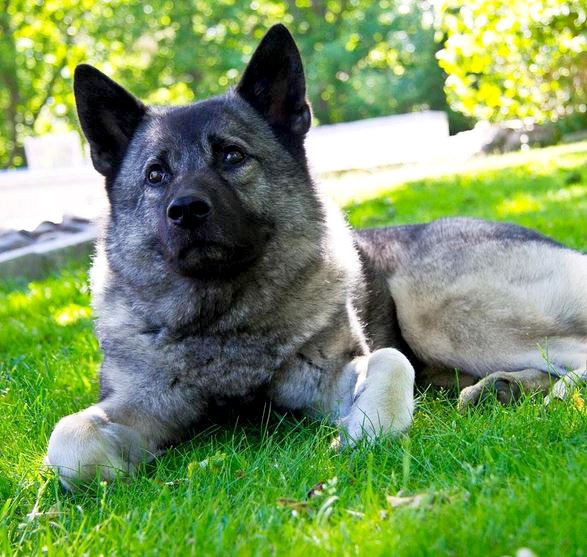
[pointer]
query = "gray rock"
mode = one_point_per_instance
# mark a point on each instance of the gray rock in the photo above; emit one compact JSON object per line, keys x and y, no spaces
{"x":14,"y":239}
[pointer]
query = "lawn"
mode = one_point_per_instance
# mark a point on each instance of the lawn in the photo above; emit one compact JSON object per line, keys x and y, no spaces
{"x":494,"y":480}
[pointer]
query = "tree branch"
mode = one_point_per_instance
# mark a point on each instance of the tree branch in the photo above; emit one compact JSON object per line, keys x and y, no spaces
{"x":52,"y":81}
{"x":48,"y":91}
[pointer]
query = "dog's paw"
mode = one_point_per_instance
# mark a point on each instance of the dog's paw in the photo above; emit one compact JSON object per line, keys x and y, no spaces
{"x":87,"y":445}
{"x":384,"y":398}
{"x":506,"y":390}
{"x":470,"y":396}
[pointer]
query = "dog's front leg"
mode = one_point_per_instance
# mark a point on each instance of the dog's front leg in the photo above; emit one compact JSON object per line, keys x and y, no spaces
{"x":109,"y":438}
{"x":369,"y":396}
{"x":382,"y":397}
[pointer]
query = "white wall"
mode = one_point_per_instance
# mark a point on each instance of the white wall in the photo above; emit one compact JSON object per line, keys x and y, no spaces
{"x":28,"y":197}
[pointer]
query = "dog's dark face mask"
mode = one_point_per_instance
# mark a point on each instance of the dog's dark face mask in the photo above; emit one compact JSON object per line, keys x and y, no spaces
{"x":203,"y":188}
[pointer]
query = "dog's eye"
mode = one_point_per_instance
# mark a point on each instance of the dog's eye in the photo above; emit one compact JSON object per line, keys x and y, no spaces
{"x":156,"y":174}
{"x":231,"y":156}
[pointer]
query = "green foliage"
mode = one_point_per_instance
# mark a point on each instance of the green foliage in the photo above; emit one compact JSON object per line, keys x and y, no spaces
{"x":501,"y":59}
{"x":515,"y":59}
{"x":40,"y":44}
{"x":496,"y":478}
{"x":363,"y":58}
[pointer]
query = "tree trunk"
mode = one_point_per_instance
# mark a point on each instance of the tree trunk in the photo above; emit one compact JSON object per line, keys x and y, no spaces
{"x":9,"y":77}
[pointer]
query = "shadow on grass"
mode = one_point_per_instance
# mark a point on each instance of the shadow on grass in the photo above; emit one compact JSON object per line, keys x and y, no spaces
{"x":550,"y":197}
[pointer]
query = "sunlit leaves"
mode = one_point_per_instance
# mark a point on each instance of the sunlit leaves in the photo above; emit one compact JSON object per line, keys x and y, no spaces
{"x":515,"y":59}
{"x":362,"y":58}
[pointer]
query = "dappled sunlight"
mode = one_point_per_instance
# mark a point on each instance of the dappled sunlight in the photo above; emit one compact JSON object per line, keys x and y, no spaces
{"x":376,"y":212}
{"x":572,"y":160}
{"x":567,"y":194}
{"x":36,"y":293}
{"x":518,"y":204}
{"x":50,"y":292}
{"x":16,"y":301}
{"x":29,"y":314}
{"x":522,"y":202}
{"x":71,"y":313}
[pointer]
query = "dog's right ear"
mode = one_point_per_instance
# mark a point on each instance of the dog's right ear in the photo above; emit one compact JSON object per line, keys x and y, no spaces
{"x":108,"y":114}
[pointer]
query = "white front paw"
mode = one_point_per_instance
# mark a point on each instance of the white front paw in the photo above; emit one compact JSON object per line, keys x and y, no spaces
{"x":384,"y":398}
{"x":87,"y":444}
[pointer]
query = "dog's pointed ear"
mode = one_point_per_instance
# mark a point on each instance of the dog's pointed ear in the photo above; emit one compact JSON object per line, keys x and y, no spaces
{"x":108,"y":114}
{"x":274,"y":83}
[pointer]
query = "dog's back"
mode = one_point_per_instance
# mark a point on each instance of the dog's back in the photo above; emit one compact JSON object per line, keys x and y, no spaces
{"x":476,"y":295}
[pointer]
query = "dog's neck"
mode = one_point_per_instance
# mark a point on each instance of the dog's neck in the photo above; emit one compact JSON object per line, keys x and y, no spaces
{"x":185,"y":305}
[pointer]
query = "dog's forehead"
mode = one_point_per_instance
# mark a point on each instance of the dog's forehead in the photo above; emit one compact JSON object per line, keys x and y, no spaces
{"x":215,"y":117}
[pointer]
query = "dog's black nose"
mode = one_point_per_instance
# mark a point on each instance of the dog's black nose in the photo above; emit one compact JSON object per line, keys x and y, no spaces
{"x":189,"y":210}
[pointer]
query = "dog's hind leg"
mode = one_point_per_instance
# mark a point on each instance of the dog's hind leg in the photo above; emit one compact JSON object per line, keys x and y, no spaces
{"x":566,"y":385}
{"x":508,"y":386}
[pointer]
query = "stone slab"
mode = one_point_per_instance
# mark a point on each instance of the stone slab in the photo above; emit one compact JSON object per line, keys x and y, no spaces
{"x":38,"y":260}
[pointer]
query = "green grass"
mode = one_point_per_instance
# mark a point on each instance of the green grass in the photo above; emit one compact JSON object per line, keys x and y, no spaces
{"x":545,"y":189}
{"x":497,"y":478}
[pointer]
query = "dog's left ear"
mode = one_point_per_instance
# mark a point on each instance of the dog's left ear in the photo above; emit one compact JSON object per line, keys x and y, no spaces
{"x":274,"y":83}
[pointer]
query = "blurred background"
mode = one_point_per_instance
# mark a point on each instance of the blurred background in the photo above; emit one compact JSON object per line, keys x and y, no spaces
{"x":507,"y":73}
{"x":494,"y":60}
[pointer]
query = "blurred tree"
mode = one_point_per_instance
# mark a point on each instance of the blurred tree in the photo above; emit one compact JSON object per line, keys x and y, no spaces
{"x":515,"y":59}
{"x":363,"y":58}
{"x":40,"y":44}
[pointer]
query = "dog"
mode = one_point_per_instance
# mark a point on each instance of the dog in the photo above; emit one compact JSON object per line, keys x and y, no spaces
{"x":222,"y":274}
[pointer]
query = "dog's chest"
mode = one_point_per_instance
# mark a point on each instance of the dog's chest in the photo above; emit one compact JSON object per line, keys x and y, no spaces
{"x":218,"y":365}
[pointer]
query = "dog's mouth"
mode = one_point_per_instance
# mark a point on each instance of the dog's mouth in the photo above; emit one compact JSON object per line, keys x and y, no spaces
{"x":204,"y":248}
{"x":208,"y":254}
{"x":209,"y":259}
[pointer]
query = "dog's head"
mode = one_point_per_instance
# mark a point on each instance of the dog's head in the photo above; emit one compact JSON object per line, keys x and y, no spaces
{"x":204,"y":187}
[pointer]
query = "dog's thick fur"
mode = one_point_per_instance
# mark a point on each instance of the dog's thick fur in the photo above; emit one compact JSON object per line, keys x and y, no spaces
{"x":271,"y":294}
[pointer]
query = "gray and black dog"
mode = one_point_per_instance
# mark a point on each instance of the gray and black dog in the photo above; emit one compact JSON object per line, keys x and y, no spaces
{"x":223,"y":274}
